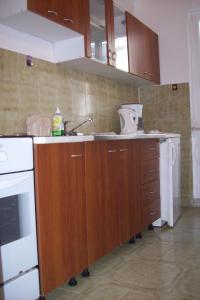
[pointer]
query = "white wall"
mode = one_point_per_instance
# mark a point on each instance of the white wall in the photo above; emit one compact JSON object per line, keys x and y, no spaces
{"x":169,"y":18}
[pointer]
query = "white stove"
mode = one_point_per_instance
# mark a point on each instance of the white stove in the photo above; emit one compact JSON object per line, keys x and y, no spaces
{"x":18,"y":243}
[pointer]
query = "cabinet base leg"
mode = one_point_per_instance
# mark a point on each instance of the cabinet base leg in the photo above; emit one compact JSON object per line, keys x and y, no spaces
{"x":72,"y":281}
{"x":150,"y":227}
{"x":139,"y":235}
{"x":42,"y":297}
{"x":132,"y":240}
{"x":85,"y":273}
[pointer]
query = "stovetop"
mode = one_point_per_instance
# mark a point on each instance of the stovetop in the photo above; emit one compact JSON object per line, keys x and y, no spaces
{"x":16,"y":135}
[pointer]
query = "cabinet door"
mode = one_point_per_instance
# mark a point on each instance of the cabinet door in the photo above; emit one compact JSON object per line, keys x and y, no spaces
{"x":60,"y":206}
{"x":112,"y":188}
{"x":111,"y":54}
{"x":124,"y":189}
{"x":72,"y":14}
{"x":134,"y":188}
{"x":120,"y":54}
{"x":98,"y":30}
{"x":152,"y":68}
{"x":95,"y":200}
{"x":46,"y":8}
{"x":149,"y":181}
{"x":75,"y":214}
{"x":143,"y":50}
{"x":135,"y":34}
{"x":102,"y":31}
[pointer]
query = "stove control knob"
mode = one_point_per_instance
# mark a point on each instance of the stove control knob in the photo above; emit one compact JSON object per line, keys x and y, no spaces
{"x":3,"y":156}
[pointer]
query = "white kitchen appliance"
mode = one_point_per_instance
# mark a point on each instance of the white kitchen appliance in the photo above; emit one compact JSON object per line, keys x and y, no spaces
{"x":18,"y":245}
{"x":170,"y":180}
{"x":131,"y":118}
{"x":196,"y":166}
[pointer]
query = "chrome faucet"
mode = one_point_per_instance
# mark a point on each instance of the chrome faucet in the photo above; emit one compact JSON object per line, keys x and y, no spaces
{"x":72,"y":131}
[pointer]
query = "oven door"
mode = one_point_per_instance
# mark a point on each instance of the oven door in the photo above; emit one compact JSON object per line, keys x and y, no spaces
{"x":18,"y":246}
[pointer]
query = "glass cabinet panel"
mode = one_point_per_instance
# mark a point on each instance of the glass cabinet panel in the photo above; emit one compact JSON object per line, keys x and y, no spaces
{"x":98,"y":30}
{"x":120,"y":39}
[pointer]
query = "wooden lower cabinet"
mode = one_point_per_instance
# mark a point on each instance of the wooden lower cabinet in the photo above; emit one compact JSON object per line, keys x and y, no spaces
{"x":95,"y":201}
{"x":149,"y":181}
{"x":113,"y":204}
{"x":61,"y":212}
{"x":90,"y":198}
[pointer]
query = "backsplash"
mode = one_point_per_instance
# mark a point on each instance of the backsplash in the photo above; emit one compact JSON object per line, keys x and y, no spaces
{"x":169,"y":111}
{"x":26,"y":91}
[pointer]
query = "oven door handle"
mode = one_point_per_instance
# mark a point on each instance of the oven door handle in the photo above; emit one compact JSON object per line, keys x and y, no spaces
{"x":8,"y":183}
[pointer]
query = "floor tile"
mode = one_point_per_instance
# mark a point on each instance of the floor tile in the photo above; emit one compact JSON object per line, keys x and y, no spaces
{"x":163,"y":265}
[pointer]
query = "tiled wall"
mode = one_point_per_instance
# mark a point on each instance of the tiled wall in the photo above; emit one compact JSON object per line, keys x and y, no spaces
{"x":169,"y":111}
{"x":27,"y":91}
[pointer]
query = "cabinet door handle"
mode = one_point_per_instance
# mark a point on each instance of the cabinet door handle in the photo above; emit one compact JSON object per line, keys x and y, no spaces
{"x":52,"y":12}
{"x":123,"y":150}
{"x":152,"y":171}
{"x":152,"y":192}
{"x":112,"y":151}
{"x":69,"y":20}
{"x":76,"y":155}
{"x":152,"y":212}
{"x":152,"y":148}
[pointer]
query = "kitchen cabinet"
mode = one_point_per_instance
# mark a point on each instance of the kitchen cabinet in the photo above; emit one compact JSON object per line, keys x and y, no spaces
{"x":143,"y":50}
{"x":112,"y":195}
{"x":108,"y":34}
{"x":101,"y":30}
{"x":95,"y":200}
{"x":72,"y":14}
{"x":61,"y":212}
{"x":134,"y":188}
{"x":128,"y":194}
{"x":90,"y":198}
{"x":150,"y":184}
{"x":102,"y":198}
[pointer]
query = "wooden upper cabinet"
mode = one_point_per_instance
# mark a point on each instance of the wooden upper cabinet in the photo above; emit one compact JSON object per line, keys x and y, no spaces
{"x":72,"y":14}
{"x":109,"y":13}
{"x":152,"y":67}
{"x":107,"y":34}
{"x":143,"y":50}
{"x":135,"y":33}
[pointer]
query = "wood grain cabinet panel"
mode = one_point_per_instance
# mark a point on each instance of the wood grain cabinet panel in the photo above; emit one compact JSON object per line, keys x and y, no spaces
{"x":112,"y":195}
{"x":134,"y":188}
{"x":72,"y":14}
{"x":150,"y":183}
{"x":90,"y":198}
{"x":143,"y":50}
{"x":152,"y":67}
{"x":95,"y":200}
{"x":61,"y":212}
{"x":135,"y":34}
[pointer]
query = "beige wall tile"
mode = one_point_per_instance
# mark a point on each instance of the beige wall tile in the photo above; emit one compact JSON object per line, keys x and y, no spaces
{"x":28,"y":99}
{"x":9,"y":96}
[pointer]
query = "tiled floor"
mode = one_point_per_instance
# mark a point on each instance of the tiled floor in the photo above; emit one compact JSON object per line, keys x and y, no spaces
{"x":164,"y":265}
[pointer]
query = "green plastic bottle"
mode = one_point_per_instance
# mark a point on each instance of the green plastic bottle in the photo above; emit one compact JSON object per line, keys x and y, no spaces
{"x":57,"y":123}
